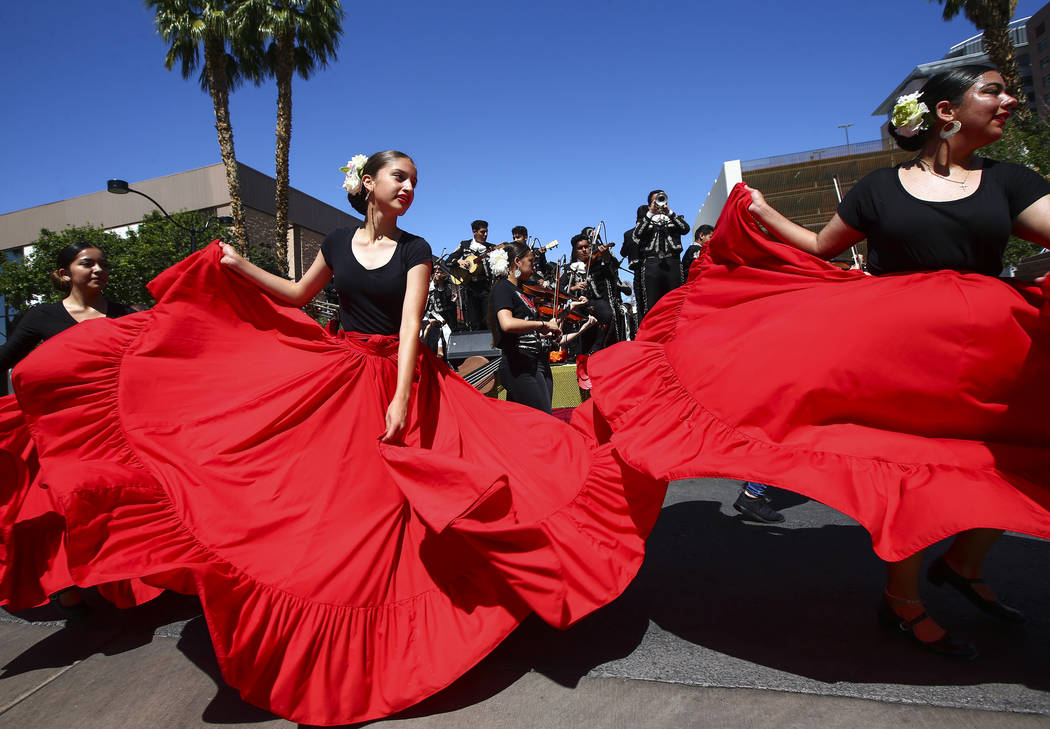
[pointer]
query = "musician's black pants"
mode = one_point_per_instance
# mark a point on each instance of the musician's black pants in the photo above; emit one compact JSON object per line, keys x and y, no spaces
{"x":528,"y":380}
{"x":653,"y":278}
{"x":597,"y":337}
{"x":475,"y":307}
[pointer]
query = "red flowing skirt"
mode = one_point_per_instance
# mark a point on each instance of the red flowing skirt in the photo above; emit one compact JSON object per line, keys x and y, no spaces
{"x":225,"y":445}
{"x":916,"y":404}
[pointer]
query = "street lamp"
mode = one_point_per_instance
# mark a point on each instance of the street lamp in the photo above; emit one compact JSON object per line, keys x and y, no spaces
{"x":121,"y":187}
{"x":845,"y":128}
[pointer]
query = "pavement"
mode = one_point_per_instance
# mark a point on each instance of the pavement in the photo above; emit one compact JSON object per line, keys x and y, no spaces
{"x":729,"y":624}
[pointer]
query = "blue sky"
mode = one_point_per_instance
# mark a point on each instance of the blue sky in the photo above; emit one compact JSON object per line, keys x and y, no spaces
{"x":554,"y":115}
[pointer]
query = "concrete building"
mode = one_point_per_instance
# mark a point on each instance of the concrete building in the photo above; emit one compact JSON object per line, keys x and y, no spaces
{"x":804,"y":186}
{"x":1038,"y":29}
{"x":203,"y":189}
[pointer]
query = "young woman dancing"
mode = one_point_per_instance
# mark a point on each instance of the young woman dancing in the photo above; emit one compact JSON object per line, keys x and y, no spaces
{"x":82,"y":273}
{"x":913,"y":400}
{"x":356,"y":541}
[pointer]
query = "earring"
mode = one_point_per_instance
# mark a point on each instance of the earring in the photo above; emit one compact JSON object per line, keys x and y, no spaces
{"x":516,"y":273}
{"x":951,"y":129}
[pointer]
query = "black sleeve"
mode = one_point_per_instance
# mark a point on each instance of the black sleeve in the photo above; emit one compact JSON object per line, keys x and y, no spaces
{"x":643,"y":229}
{"x":417,"y":251}
{"x":23,"y":339}
{"x":450,"y":258}
{"x":330,"y":246}
{"x":629,"y":249}
{"x":502,"y":298}
{"x":1023,"y":187}
{"x":857,"y":209}
{"x":678,"y":221}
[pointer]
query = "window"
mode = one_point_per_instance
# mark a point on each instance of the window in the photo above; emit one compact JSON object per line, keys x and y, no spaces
{"x":1041,"y":45}
{"x":1044,"y":62}
{"x":1040,"y":29}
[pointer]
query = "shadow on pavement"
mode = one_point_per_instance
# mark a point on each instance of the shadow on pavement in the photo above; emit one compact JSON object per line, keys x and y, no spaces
{"x":797,"y":600}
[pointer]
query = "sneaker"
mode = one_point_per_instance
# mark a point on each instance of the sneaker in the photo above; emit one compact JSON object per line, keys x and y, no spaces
{"x":757,"y":509}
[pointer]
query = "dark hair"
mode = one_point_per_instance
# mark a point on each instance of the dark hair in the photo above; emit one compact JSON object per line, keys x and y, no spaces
{"x":702,"y":230}
{"x":379,"y":160}
{"x":578,"y":237}
{"x":478,"y":224}
{"x":514,"y":249}
{"x":948,"y":85}
{"x":649,"y":200}
{"x":642,"y":210}
{"x":65,"y":259}
{"x":519,"y":230}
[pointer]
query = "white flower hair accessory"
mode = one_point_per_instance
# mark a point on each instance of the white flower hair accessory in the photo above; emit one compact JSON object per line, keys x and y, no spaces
{"x":499,"y":263}
{"x":354,"y":169}
{"x":909,"y":115}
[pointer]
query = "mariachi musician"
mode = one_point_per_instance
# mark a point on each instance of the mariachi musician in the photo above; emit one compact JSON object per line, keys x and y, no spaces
{"x":475,"y":285}
{"x":594,"y":275}
{"x":439,"y":315}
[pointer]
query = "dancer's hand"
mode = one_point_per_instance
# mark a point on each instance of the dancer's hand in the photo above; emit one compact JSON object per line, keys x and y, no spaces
{"x":230,"y":256}
{"x":396,"y":415}
{"x":758,"y":201}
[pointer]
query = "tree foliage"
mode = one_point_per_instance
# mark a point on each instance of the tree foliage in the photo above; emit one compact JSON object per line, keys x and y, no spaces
{"x":193,"y":28}
{"x":135,"y":259}
{"x":992,"y":18}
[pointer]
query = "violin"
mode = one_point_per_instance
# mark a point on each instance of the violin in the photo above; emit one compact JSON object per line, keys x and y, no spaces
{"x":535,"y":291}
{"x":563,"y":312}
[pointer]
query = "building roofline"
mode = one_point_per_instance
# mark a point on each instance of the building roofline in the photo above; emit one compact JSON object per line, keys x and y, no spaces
{"x":202,"y":188}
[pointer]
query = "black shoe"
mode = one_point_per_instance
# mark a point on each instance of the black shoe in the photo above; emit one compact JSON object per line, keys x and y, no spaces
{"x":757,"y":508}
{"x":940,"y":572}
{"x":78,"y":611}
{"x":945,"y":646}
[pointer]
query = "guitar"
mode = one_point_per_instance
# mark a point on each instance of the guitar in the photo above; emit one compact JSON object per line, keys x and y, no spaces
{"x":473,"y":265}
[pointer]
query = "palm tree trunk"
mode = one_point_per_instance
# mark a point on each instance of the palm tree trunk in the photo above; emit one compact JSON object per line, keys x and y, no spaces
{"x":218,"y":87}
{"x":285,"y":69}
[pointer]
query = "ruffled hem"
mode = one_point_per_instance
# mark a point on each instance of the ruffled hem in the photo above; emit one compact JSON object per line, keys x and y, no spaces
{"x":564,"y":566}
{"x":493,"y":551}
{"x":660,"y":429}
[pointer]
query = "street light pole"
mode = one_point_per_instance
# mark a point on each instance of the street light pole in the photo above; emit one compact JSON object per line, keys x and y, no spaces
{"x":121,"y":187}
{"x":845,"y":128}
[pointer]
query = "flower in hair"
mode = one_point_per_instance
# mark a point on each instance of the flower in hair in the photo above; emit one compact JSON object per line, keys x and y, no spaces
{"x":909,"y":115}
{"x":499,"y":263}
{"x":354,"y":169}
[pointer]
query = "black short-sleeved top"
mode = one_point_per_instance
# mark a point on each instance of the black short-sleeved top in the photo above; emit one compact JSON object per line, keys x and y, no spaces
{"x":41,"y":322}
{"x":370,"y":300}
{"x":506,"y":295}
{"x":908,"y":234}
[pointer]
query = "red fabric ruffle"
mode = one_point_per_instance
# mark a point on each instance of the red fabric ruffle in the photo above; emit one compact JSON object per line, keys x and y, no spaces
{"x":913,"y":403}
{"x":225,"y":445}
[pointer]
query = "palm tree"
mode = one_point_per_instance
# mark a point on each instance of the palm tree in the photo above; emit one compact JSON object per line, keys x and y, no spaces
{"x":294,"y":37}
{"x":188,"y":26}
{"x":992,"y":17}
